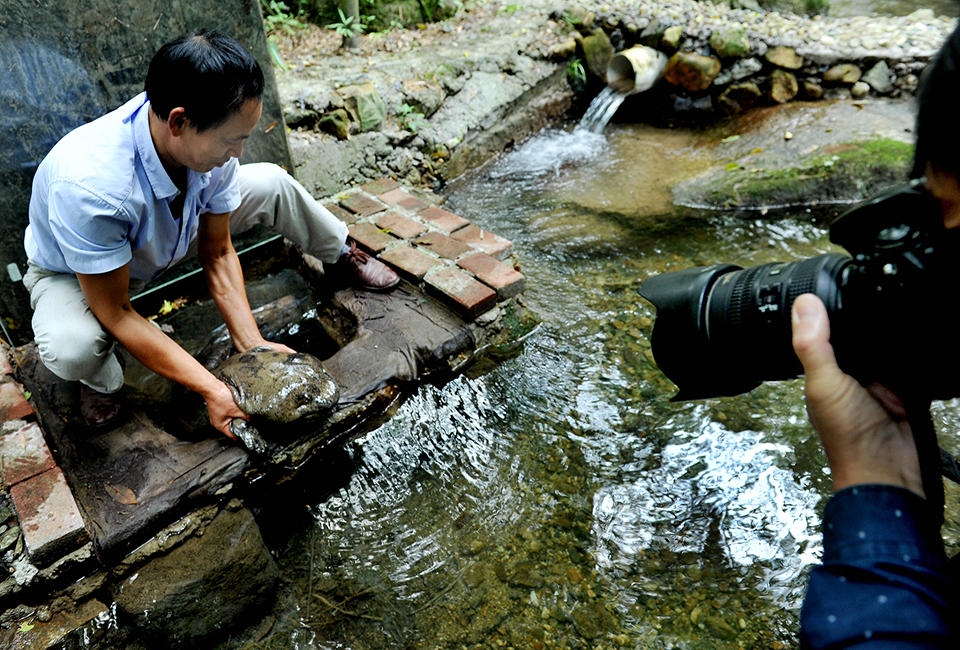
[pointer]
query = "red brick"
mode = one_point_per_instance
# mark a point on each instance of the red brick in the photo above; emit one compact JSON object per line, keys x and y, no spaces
{"x":23,"y":453}
{"x":343,"y":215}
{"x":442,"y":245}
{"x":463,"y":292}
{"x":49,"y":518}
{"x":400,"y":225}
{"x":484,"y":240}
{"x":5,"y":368}
{"x":362,"y":204}
{"x":410,"y":262}
{"x":505,"y":279}
{"x":370,"y":237}
{"x":380,"y":186}
{"x":445,"y":221}
{"x":400,"y":198}
{"x":13,"y":404}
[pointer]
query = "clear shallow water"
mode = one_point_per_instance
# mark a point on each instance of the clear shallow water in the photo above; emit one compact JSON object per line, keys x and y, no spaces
{"x":560,"y":500}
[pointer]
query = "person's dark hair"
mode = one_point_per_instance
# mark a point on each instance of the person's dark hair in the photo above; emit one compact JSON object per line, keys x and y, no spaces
{"x":938,"y":139}
{"x":208,"y":73}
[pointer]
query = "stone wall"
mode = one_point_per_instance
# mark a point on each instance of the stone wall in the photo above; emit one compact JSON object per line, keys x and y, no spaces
{"x":729,"y":60}
{"x":64,"y":63}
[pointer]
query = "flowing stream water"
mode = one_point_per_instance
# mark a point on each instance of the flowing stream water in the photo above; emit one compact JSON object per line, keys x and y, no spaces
{"x":557,"y":498}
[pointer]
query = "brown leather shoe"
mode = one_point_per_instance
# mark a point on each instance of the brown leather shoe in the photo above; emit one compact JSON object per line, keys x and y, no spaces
{"x":368,"y":272}
{"x":100,"y":410}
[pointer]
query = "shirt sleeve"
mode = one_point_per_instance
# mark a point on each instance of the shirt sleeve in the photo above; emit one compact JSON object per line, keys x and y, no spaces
{"x":883,"y":582}
{"x":92,"y":233}
{"x":223,"y":193}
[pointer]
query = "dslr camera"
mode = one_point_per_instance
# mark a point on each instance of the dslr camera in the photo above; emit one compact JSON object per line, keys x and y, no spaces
{"x":723,"y":330}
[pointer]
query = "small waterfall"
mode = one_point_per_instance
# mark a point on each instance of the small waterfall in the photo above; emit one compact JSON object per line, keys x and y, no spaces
{"x":601,"y":109}
{"x":551,"y":150}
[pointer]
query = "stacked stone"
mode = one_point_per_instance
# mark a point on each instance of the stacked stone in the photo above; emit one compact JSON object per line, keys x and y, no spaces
{"x":733,"y":59}
{"x":458,"y":261}
{"x":46,"y":523}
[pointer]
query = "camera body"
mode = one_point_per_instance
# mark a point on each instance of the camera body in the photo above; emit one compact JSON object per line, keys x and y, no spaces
{"x":723,"y":330}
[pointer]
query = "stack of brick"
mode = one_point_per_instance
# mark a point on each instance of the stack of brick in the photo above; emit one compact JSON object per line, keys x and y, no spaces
{"x":456,"y":260}
{"x":48,"y":515}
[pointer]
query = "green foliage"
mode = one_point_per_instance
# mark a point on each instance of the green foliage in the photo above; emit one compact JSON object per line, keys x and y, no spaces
{"x":348,"y":27}
{"x":576,"y":72}
{"x":439,"y":9}
{"x":275,"y":54}
{"x":381,"y":15}
{"x":410,"y":118}
{"x":508,"y":10}
{"x":277,"y":15}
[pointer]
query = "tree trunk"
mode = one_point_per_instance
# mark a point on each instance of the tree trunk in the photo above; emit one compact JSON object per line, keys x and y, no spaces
{"x":352,"y":9}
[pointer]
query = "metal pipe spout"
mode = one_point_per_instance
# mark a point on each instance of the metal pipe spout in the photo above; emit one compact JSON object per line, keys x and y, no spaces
{"x":636,"y":69}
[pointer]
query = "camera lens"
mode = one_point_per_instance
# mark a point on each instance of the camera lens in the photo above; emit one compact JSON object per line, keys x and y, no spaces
{"x":723,"y":330}
{"x":748,"y":314}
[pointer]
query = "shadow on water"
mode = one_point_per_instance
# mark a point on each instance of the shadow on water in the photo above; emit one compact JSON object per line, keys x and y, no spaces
{"x":561,"y":500}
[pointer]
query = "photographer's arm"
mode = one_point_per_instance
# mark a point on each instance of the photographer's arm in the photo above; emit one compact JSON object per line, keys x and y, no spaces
{"x":883,"y":578}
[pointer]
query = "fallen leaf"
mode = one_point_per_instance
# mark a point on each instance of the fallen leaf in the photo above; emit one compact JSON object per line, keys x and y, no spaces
{"x":757,"y":150}
{"x":730,"y":138}
{"x":169,"y":306}
{"x":732,"y":165}
{"x":121,"y":494}
{"x":25,"y":627}
{"x":271,"y":127}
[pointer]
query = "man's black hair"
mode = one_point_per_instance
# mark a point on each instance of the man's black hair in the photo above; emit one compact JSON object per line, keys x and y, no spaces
{"x":938,"y":139}
{"x":207,"y":73}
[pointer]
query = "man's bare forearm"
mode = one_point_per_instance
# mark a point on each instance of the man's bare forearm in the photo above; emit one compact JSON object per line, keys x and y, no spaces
{"x":108,"y":298}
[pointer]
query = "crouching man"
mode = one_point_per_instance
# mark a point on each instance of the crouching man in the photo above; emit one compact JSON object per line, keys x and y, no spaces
{"x":126,"y":196}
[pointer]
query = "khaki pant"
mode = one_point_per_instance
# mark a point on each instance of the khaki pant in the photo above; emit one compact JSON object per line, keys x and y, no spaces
{"x":70,"y":339}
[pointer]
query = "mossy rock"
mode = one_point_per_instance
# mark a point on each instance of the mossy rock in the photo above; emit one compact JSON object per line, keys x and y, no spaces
{"x":336,"y":123}
{"x":730,"y":43}
{"x":597,"y":51}
{"x":839,"y":173}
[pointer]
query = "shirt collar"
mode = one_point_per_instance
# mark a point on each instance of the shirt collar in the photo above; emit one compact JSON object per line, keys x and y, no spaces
{"x":162,"y":186}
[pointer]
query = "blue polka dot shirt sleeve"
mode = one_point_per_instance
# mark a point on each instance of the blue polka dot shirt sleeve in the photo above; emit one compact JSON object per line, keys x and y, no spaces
{"x":883,"y":582}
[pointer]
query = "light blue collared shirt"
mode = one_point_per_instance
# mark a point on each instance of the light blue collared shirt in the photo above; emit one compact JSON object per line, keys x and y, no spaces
{"x":101,"y":199}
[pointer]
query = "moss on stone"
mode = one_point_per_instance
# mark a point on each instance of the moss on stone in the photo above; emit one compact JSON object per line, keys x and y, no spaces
{"x":840,"y":173}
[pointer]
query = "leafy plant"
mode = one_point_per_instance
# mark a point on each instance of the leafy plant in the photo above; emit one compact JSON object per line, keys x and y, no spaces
{"x":576,"y":72}
{"x":348,"y":27}
{"x":509,"y":10}
{"x":570,"y":20}
{"x":275,"y":54}
{"x":277,"y":15}
{"x":439,"y":9}
{"x":410,"y":118}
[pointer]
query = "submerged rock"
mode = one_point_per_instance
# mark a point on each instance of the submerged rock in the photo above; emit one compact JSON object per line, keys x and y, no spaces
{"x":276,"y":388}
{"x":204,"y":586}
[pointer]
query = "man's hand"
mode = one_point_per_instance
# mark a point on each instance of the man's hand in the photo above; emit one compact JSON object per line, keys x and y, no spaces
{"x":221,"y":409}
{"x":279,"y":347}
{"x":107,"y":296}
{"x":864,"y":430}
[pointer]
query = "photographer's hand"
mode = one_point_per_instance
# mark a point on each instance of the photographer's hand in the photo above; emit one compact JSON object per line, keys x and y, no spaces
{"x":863,"y":430}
